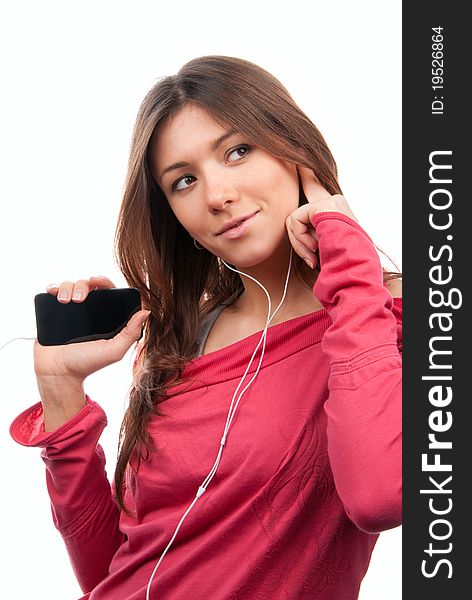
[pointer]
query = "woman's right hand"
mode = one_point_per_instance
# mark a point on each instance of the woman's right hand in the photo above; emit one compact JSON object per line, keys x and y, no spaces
{"x":73,"y":363}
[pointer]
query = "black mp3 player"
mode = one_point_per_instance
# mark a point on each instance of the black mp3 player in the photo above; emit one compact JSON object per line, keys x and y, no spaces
{"x":102,"y":315}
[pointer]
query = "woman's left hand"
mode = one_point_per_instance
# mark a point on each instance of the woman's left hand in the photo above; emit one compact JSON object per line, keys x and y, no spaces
{"x":300,"y":230}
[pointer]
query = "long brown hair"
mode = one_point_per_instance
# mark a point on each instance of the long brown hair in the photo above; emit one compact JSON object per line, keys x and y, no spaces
{"x":179,"y":283}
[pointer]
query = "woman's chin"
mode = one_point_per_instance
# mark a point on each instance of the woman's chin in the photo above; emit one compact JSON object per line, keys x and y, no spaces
{"x":256,"y":251}
{"x":252,"y":261}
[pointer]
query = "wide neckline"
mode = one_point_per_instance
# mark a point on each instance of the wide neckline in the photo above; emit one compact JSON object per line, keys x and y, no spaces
{"x":283,"y":339}
{"x":397,"y":300}
{"x":259,"y":332}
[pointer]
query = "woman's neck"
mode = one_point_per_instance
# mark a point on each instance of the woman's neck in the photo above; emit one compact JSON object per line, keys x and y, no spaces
{"x":299,"y":299}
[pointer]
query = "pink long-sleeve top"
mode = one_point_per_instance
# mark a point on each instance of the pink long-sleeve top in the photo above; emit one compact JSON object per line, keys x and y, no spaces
{"x":310,"y":474}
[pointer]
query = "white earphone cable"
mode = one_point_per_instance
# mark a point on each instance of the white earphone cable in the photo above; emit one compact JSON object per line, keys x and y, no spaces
{"x":13,"y":339}
{"x":231,"y":411}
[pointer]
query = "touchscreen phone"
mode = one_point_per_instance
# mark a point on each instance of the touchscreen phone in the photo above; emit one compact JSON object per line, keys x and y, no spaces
{"x":102,"y":315}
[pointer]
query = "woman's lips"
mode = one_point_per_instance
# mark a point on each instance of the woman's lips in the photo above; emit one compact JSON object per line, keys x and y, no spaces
{"x":239,"y":230}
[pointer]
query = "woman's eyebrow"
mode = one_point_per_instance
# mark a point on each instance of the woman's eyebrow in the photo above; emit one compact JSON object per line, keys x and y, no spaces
{"x":219,"y":140}
{"x":213,"y":146}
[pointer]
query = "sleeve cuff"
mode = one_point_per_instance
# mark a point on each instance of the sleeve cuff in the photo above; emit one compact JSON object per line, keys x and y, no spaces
{"x":28,"y":427}
{"x":332,"y":214}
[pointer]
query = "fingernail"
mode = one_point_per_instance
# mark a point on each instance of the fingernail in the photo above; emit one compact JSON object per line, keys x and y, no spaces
{"x":62,"y":295}
{"x":309,"y":263}
{"x":52,"y":286}
{"x":77,"y":294}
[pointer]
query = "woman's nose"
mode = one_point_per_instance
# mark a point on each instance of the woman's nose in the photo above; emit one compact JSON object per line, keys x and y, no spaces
{"x":219,"y":191}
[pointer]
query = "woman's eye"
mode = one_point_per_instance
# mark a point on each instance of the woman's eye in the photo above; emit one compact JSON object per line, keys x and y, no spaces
{"x":233,"y":155}
{"x":176,"y":186}
{"x":239,"y":152}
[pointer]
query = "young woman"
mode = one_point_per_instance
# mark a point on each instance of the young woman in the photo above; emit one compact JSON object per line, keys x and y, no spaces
{"x":269,"y":371}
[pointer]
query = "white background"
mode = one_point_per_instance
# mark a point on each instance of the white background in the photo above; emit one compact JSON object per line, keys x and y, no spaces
{"x":73,"y":77}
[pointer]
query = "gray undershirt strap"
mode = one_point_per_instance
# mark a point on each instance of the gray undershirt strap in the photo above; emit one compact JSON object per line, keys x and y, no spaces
{"x":208,"y":321}
{"x":206,"y":325}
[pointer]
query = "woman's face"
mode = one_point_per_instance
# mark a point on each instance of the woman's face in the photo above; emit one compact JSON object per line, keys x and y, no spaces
{"x":212,"y":176}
